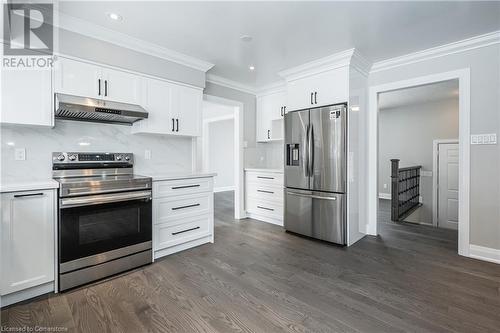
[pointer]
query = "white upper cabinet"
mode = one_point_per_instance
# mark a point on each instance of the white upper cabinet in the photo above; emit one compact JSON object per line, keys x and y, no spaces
{"x":27,"y":228}
{"x":88,"y":80}
{"x":322,"y":89}
{"x":270,"y":111}
{"x":173,"y":109}
{"x":27,"y":97}
{"x":187,"y":103}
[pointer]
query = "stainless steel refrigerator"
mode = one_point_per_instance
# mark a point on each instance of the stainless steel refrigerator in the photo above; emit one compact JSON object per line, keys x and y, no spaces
{"x":316,"y":173}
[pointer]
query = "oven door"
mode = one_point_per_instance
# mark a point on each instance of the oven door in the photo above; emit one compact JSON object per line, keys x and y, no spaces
{"x":97,"y":224}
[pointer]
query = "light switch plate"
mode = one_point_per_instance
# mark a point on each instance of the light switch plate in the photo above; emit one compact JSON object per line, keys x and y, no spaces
{"x":20,"y":154}
{"x":483,"y":139}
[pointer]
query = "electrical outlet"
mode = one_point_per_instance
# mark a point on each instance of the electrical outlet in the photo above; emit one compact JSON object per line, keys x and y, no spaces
{"x":147,"y":154}
{"x":483,"y":139}
{"x":20,"y":154}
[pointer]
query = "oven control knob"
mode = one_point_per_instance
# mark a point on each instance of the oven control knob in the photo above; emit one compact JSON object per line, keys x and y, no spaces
{"x":72,"y":157}
{"x":127,"y":158}
{"x":60,"y":157}
{"x":119,"y":157}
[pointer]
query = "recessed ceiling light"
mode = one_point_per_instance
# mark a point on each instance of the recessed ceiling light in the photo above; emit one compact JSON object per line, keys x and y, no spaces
{"x":115,"y":17}
{"x":252,"y":68}
{"x":246,"y":38}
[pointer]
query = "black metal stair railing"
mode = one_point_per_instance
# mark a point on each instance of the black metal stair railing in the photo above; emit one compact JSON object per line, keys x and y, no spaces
{"x":405,"y":190}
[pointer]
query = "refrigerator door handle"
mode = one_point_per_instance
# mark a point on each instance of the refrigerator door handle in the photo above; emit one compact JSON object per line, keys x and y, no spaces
{"x":310,"y":151}
{"x":311,"y":196}
{"x":306,"y":152}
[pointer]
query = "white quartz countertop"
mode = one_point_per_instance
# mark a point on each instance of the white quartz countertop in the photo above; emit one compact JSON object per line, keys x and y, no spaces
{"x":264,"y":170}
{"x":28,"y":185}
{"x":179,"y":175}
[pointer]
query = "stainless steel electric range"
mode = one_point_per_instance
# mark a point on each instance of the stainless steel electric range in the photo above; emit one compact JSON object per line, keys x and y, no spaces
{"x":105,"y":216}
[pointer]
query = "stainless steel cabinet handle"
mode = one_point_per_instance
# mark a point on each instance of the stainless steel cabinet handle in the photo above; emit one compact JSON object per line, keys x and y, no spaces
{"x":265,"y":208}
{"x":264,"y":191}
{"x":315,"y":99}
{"x":180,"y":232}
{"x":311,"y":196}
{"x":99,"y":87}
{"x":184,"y":186}
{"x":263,"y":177}
{"x":27,"y":195}
{"x":187,"y":206}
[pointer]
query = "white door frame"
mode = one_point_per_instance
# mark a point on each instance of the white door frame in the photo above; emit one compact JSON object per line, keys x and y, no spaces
{"x":463,"y":76}
{"x":239,"y":194}
{"x":435,"y":151}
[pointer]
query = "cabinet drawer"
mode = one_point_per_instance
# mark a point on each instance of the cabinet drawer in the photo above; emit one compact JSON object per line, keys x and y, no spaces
{"x":167,"y":234}
{"x":264,"y":178}
{"x":262,"y":207}
{"x":265,"y":192}
{"x":172,"y":208}
{"x":181,"y":187}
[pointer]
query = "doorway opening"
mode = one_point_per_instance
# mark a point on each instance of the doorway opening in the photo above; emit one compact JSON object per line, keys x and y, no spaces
{"x":458,"y":162}
{"x":418,"y":131}
{"x":219,"y":150}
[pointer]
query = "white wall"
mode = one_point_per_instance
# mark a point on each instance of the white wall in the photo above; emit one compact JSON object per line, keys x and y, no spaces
{"x":484,"y":64}
{"x":407,"y":133}
{"x":220,"y":152}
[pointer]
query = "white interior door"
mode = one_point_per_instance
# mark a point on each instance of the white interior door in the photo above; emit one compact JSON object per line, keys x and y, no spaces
{"x":448,"y":185}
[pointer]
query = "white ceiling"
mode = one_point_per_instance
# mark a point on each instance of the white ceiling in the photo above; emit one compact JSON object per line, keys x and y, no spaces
{"x":418,"y":95}
{"x":286,"y":34}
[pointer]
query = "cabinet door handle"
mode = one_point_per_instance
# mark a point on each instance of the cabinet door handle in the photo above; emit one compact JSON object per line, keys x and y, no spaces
{"x":99,"y":87}
{"x":185,"y":186}
{"x":284,"y":110}
{"x":177,"y":122}
{"x":269,"y":134}
{"x":315,"y":99}
{"x":265,"y":208}
{"x":262,"y":177}
{"x":180,"y":232}
{"x":173,"y":125}
{"x":187,"y":206}
{"x":312,"y":98}
{"x":105,"y":87}
{"x":27,"y":195}
{"x":264,"y":191}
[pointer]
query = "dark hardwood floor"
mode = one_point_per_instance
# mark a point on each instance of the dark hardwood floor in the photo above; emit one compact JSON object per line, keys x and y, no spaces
{"x":258,"y":278}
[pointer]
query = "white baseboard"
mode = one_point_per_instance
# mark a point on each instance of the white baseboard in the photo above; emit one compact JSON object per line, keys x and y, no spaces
{"x":224,"y":189}
{"x":26,"y":294}
{"x":184,"y":246}
{"x":386,"y":196}
{"x":484,"y":253}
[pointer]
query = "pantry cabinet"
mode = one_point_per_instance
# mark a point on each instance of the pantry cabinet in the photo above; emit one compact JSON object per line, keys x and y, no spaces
{"x":84,"y":79}
{"x":269,"y":119}
{"x":27,"y":97}
{"x":28,"y":222}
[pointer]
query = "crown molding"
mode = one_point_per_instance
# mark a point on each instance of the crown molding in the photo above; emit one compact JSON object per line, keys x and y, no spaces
{"x":221,"y":81}
{"x":439,"y":51}
{"x":337,"y":60}
{"x":271,"y":88}
{"x":92,"y":30}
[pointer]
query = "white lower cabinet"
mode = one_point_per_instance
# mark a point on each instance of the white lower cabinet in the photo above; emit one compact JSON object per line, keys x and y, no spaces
{"x":264,"y":195}
{"x":28,"y":223}
{"x":183,"y":214}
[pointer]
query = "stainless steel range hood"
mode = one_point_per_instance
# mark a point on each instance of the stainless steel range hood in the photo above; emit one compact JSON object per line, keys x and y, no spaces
{"x":96,"y":110}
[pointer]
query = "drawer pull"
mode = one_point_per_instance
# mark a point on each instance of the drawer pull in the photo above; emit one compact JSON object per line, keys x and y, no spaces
{"x":262,"y":177}
{"x":27,"y":195}
{"x":265,"y":208}
{"x":185,"y":186}
{"x":263,"y":191}
{"x":180,"y":232}
{"x":183,"y":207}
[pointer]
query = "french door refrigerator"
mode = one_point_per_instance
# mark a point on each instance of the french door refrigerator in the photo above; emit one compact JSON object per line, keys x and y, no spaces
{"x":316,"y":172}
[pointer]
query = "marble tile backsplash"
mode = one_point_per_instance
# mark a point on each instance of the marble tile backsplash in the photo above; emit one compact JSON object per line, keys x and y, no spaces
{"x":168,"y":154}
{"x":265,"y":155}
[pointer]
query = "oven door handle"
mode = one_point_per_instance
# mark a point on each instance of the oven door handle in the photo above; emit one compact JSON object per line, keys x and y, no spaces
{"x":104,"y":198}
